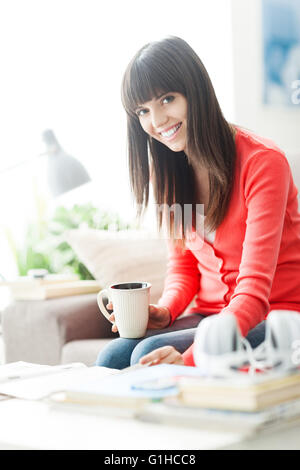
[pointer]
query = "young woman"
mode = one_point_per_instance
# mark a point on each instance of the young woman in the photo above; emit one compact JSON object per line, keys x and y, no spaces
{"x":248,"y":261}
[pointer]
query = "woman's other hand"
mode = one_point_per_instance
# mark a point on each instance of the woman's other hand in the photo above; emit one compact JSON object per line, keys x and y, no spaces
{"x":164,"y":355}
{"x":159,"y":317}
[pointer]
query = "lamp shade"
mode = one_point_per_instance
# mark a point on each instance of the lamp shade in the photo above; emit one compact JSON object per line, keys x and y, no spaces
{"x":64,"y":172}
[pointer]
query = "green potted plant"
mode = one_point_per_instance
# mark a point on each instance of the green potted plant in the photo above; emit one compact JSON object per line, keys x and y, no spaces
{"x":44,"y":246}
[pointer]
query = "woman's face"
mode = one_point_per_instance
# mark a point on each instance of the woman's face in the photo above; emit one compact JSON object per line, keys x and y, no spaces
{"x":165,"y":119}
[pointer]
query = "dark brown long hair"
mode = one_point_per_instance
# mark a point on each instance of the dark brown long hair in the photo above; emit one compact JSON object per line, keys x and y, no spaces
{"x":171,"y":65}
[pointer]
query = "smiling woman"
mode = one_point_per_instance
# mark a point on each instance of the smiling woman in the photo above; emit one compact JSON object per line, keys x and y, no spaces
{"x":171,"y":106}
{"x":180,"y":143}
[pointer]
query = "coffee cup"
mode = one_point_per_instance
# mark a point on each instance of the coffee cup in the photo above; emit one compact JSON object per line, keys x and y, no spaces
{"x":131,"y":307}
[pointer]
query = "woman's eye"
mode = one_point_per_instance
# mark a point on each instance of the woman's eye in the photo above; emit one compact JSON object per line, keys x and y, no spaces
{"x":141,"y":112}
{"x":168,"y":99}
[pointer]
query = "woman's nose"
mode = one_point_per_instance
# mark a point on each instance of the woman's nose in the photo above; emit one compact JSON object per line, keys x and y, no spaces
{"x":159,"y":119}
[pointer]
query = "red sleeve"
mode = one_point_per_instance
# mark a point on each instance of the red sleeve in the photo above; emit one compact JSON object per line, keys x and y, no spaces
{"x":266,"y":183}
{"x":182,"y":281}
{"x":188,"y":357}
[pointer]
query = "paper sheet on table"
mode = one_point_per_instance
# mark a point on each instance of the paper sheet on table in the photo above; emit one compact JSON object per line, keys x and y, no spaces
{"x":34,"y":381}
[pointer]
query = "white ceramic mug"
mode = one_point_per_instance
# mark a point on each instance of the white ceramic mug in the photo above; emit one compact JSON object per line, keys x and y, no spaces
{"x":131,"y":307}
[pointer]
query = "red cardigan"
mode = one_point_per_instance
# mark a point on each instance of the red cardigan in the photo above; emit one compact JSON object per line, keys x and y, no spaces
{"x":254,"y":264}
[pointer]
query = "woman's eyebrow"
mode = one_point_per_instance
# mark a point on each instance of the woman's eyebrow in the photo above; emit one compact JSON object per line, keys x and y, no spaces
{"x":159,"y":96}
{"x":140,"y":106}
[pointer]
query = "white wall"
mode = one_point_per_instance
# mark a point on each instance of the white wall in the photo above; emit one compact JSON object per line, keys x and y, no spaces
{"x":282,"y":124}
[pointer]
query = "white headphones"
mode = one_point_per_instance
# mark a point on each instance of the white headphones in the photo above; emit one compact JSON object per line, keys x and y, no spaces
{"x":218,"y":345}
{"x":220,"y":349}
{"x":282,"y":339}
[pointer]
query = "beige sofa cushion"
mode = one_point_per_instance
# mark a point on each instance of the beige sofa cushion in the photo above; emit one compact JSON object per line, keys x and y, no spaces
{"x":85,"y":351}
{"x":122,"y":256}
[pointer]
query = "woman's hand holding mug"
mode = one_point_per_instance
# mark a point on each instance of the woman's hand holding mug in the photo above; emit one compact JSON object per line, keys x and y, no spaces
{"x":159,"y":317}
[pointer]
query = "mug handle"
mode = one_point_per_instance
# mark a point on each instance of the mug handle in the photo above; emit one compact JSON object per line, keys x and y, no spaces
{"x":101,"y":304}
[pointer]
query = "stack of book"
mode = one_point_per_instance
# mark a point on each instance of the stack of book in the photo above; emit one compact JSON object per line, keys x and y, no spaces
{"x":180,"y":396}
{"x":166,"y":394}
{"x":50,"y":286}
{"x":242,"y":393}
{"x":242,"y":404}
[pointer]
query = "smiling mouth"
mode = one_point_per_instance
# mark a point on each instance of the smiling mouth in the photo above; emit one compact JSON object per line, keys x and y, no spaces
{"x":171,"y":132}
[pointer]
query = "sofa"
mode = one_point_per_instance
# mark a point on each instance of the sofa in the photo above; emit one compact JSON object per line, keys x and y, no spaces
{"x":72,"y":329}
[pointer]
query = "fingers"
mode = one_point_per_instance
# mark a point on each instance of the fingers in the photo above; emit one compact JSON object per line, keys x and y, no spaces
{"x":169,"y":355}
{"x":164,"y":355}
{"x":112,"y":318}
{"x":155,"y":356}
{"x":114,"y":328}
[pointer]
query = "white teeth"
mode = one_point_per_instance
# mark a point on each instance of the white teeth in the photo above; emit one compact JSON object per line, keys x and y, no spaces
{"x":171,"y":131}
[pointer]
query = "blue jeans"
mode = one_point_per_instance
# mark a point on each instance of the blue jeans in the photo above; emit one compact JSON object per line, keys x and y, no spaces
{"x":123,"y":352}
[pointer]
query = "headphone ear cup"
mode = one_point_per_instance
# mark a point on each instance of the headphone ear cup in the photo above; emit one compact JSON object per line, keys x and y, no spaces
{"x":282,"y":332}
{"x":282,"y":329}
{"x":215,"y":336}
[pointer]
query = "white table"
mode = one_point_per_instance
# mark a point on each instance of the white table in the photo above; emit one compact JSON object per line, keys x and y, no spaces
{"x":38,"y":425}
